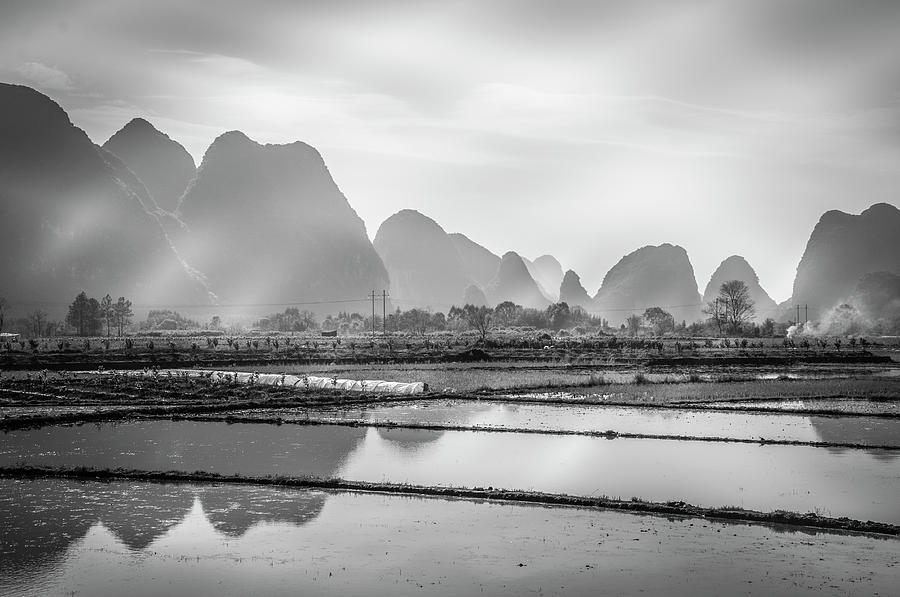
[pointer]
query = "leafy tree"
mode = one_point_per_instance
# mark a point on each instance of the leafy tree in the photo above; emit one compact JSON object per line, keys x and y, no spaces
{"x":507,"y":313}
{"x":559,"y":316}
{"x":633,"y":324}
{"x":84,"y":315}
{"x":168,"y":320}
{"x":660,"y":320}
{"x":122,"y":313}
{"x":292,"y":320}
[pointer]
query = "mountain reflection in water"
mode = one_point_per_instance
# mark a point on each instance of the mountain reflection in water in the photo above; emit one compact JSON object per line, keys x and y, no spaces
{"x":41,"y":518}
{"x":867,"y":430}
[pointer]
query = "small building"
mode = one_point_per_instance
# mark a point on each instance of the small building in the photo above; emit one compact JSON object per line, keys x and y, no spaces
{"x":8,"y":337}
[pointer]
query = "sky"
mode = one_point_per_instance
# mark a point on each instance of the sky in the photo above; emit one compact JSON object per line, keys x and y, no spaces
{"x":582,"y":129}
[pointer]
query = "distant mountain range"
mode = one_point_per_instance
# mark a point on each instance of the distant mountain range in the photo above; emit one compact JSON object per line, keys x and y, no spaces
{"x":479,"y":263}
{"x":163,"y":165}
{"x":268,"y":224}
{"x":422,"y":262}
{"x":75,"y":217}
{"x":513,"y":282}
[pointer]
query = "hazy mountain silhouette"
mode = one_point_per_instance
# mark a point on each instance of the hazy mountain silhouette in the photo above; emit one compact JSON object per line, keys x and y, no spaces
{"x":737,"y":268}
{"x":514,"y":283}
{"x":480,"y":264}
{"x":877,"y":298}
{"x":841,"y":250}
{"x":74,"y":217}
{"x":423,"y":264}
{"x":474,"y":296}
{"x":652,"y":276}
{"x":573,"y":293}
{"x":548,"y":273}
{"x":163,"y":165}
{"x":267,"y":223}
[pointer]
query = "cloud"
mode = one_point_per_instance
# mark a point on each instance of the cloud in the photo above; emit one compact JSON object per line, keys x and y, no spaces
{"x":45,"y":77}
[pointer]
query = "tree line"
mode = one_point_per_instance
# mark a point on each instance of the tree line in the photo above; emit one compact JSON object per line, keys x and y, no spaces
{"x":89,"y":317}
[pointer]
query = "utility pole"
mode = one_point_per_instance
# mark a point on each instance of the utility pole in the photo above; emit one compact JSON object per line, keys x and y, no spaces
{"x":372,"y":296}
{"x":805,"y":314}
{"x":384,"y":312}
{"x":798,"y":314}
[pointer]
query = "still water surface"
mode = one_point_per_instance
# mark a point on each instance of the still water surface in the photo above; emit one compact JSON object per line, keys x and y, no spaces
{"x":871,"y":431}
{"x":62,"y":537}
{"x":834,"y":482}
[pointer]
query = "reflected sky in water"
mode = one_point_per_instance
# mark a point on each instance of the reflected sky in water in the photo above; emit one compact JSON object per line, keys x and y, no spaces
{"x":852,"y":483}
{"x":652,"y":421}
{"x":63,"y":536}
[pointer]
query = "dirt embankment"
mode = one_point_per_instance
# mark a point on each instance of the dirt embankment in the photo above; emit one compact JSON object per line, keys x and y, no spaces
{"x":777,"y":517}
{"x":73,"y":360}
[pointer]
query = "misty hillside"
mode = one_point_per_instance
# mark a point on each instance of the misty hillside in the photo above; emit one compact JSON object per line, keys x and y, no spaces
{"x":548,"y":273}
{"x":737,"y":268}
{"x":474,"y":295}
{"x":74,"y":217}
{"x":877,"y":298}
{"x":652,"y":276}
{"x":514,"y":283}
{"x":268,"y":224}
{"x":163,"y":165}
{"x":423,"y":264}
{"x":573,"y":293}
{"x":480,"y":264}
{"x":842,"y":249}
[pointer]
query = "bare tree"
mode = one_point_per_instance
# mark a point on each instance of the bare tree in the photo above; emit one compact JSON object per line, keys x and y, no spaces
{"x":38,"y":318}
{"x":123,"y":313}
{"x":661,"y":321}
{"x":3,"y":306}
{"x":107,"y":311}
{"x":739,"y":307}
{"x":716,"y":312}
{"x":478,"y":318}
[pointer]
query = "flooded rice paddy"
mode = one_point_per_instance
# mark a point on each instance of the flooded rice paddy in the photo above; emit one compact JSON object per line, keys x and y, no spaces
{"x":66,"y":537}
{"x":866,"y":431}
{"x":63,"y":537}
{"x":859,"y":484}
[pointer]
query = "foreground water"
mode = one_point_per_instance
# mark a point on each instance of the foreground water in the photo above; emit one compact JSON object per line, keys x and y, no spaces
{"x":858,"y":484}
{"x":65,"y":537}
{"x":870,"y":431}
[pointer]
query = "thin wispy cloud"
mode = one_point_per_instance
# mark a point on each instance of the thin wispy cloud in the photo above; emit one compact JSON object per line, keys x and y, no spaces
{"x":45,"y":77}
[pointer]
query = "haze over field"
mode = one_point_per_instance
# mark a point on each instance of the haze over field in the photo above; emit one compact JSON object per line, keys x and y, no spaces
{"x":584,"y":130}
{"x":263,"y":225}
